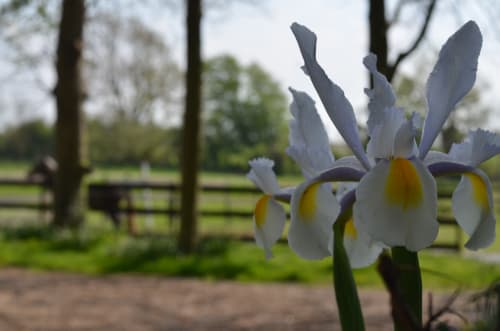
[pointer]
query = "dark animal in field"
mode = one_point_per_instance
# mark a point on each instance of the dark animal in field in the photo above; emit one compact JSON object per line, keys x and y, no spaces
{"x":108,"y":199}
{"x":104,"y":198}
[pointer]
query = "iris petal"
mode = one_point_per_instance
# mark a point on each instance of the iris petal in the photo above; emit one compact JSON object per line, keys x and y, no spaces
{"x":309,"y":145}
{"x":472,"y":205}
{"x":452,"y":77}
{"x":262,"y":175}
{"x":309,"y":129}
{"x":479,"y":146}
{"x":361,"y":250}
{"x":384,"y":133}
{"x":336,"y":104}
{"x":381,"y":95}
{"x":396,"y":204}
{"x":314,"y":210}
{"x":269,"y":222}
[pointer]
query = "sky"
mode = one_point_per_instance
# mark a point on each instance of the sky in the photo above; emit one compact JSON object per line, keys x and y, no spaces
{"x":261,"y":33}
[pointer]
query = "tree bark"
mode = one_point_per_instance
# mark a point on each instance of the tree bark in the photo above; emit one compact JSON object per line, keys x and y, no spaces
{"x":68,"y":210}
{"x":378,"y":35}
{"x":379,"y":27}
{"x":191,"y":130}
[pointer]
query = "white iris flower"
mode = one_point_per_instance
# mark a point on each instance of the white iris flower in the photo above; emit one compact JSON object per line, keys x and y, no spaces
{"x":310,"y":234}
{"x":269,"y":216}
{"x":396,"y":199}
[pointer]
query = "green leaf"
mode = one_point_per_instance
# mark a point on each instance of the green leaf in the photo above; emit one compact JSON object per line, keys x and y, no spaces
{"x":351,"y":317}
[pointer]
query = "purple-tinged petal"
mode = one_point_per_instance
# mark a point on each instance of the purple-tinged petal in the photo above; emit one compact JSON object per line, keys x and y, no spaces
{"x":447,"y":168}
{"x":336,"y":104}
{"x":479,"y":146}
{"x":283,"y":196}
{"x":340,"y":173}
{"x":452,"y":77}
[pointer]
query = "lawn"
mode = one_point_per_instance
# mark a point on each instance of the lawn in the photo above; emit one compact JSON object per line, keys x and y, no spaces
{"x":98,"y":249}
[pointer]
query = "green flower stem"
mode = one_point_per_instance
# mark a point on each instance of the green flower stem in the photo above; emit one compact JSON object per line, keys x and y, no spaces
{"x":409,"y":282}
{"x":349,"y":308}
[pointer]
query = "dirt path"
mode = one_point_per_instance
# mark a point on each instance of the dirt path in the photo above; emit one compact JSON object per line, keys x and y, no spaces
{"x":60,"y":301}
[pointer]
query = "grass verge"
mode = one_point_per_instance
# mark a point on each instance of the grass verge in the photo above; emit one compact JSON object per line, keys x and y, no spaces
{"x":97,"y":251}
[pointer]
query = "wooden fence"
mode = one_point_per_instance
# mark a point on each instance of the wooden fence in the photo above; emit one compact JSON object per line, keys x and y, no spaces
{"x":227,"y":198}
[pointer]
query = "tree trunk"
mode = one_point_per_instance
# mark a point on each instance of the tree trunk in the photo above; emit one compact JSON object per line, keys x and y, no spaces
{"x":191,"y":130}
{"x":379,"y":26}
{"x":68,"y":210}
{"x":378,"y":35}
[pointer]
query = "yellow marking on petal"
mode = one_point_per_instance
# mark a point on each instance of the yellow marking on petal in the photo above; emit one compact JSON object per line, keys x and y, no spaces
{"x":403,"y":186}
{"x":307,"y":203}
{"x":479,"y":190}
{"x":350,"y":230}
{"x":260,"y":211}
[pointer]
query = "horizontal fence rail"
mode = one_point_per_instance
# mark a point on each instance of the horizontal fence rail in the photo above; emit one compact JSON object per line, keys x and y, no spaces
{"x":109,"y":197}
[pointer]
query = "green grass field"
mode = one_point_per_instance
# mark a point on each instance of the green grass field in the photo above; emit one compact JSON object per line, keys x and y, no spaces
{"x":98,"y":249}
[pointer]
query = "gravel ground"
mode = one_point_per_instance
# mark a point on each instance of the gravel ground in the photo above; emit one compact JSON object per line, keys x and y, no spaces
{"x":62,"y":301}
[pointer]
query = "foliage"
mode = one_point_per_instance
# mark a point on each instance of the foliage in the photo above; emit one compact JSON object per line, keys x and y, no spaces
{"x":28,"y":140}
{"x":133,"y":91}
{"x":132,"y":142}
{"x":244,"y":114}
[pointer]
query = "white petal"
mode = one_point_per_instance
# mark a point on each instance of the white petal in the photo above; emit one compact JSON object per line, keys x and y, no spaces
{"x":314,"y":210}
{"x":396,"y":204}
{"x":309,"y":145}
{"x":263,"y":176}
{"x":472,"y":204}
{"x":381,"y":95}
{"x":452,"y":77}
{"x":309,"y":130}
{"x":404,"y":142}
{"x":381,"y":144}
{"x":479,"y":146}
{"x":269,"y":221}
{"x":336,"y":104}
{"x":361,"y":250}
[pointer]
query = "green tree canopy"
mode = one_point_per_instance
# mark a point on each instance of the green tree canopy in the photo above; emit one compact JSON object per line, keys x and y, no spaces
{"x":27,"y":141}
{"x":244,"y":114}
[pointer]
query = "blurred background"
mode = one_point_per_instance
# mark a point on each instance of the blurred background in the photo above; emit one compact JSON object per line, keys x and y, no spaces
{"x":126,"y":128}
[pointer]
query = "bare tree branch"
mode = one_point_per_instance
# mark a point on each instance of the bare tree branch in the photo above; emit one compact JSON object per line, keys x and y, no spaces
{"x":397,"y":12}
{"x":420,"y":37}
